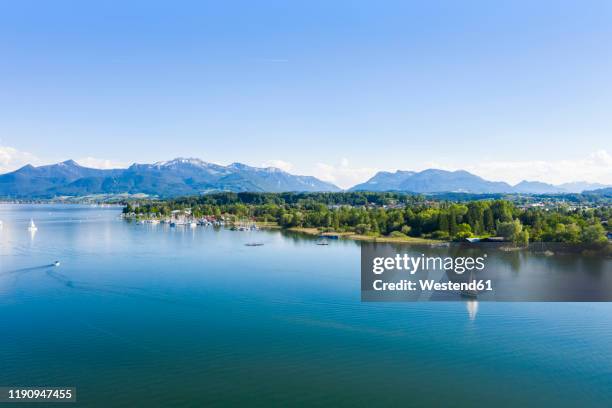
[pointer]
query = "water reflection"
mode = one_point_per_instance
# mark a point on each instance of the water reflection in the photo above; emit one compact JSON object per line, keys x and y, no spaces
{"x":472,"y":308}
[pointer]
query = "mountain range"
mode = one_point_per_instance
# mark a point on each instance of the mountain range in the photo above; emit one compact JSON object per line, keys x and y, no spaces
{"x":436,"y":181}
{"x":165,"y":179}
{"x":183,"y":176}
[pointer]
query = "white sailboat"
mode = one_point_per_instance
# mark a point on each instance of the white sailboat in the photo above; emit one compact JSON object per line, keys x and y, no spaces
{"x":32,"y":227}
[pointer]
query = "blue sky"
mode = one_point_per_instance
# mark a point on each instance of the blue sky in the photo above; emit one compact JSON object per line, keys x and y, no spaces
{"x":508,"y":90}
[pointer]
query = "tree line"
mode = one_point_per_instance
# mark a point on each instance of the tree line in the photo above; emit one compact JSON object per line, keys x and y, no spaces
{"x":399,"y":215}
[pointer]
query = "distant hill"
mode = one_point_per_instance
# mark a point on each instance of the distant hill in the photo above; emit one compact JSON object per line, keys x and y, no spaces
{"x":384,"y":181}
{"x":607,"y":192}
{"x":580,"y":186}
{"x":166,"y":179}
{"x":432,"y":181}
{"x":437,"y":181}
{"x":537,"y":187}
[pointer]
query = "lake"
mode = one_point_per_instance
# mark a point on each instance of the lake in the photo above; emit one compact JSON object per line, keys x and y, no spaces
{"x":149,"y":315}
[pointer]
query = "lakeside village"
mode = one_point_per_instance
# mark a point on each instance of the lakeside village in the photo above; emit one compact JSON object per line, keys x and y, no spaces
{"x":393,"y":217}
{"x":184,"y":217}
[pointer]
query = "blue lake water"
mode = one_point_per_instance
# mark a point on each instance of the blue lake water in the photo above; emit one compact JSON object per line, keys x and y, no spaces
{"x":142,"y":315}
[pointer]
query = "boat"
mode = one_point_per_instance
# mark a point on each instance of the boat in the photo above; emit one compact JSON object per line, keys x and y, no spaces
{"x":193,"y":224}
{"x":32,"y":227}
{"x":56,"y":263}
{"x":253,"y":244}
{"x":322,"y":243}
{"x":470,"y":293}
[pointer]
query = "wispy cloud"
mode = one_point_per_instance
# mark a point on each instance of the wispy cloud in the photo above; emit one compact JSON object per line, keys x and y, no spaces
{"x":279,"y":164}
{"x":96,"y":163}
{"x":11,"y":159}
{"x":343,"y":174}
{"x":596,"y":167}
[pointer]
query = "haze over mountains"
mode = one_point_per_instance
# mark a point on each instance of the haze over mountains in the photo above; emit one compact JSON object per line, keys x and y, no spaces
{"x":183,"y":176}
{"x":433,"y":180}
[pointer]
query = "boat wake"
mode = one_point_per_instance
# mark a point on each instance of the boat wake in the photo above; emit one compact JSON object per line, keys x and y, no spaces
{"x":106,"y":289}
{"x":25,"y":270}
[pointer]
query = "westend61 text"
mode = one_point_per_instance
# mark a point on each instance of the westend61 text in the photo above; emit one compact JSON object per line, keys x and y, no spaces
{"x":432,"y":285}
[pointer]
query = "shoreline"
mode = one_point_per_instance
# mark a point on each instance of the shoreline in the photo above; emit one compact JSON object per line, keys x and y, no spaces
{"x":505,"y":246}
{"x":508,"y":247}
{"x":361,"y":237}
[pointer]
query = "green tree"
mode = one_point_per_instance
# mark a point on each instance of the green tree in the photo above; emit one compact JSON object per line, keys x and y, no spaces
{"x":443,"y":222}
{"x":594,"y":234}
{"x":510,"y":230}
{"x":463,"y":231}
{"x":522,"y":239}
{"x":362,"y":229}
{"x":489,"y":220}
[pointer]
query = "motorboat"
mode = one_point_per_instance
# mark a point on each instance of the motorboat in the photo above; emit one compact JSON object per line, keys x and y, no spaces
{"x":32,"y":227}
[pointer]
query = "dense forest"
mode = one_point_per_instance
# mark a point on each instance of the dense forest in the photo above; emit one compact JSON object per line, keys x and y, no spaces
{"x":402,"y":215}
